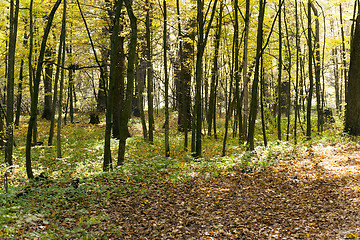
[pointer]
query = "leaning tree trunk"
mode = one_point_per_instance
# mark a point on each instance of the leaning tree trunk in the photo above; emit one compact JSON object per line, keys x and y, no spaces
{"x":34,"y":100}
{"x":352,"y":114}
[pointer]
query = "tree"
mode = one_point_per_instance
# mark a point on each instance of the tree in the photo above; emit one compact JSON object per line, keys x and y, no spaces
{"x":34,"y":99}
{"x":167,"y":145}
{"x":114,"y":68}
{"x":255,"y":86}
{"x":14,"y":14}
{"x":150,"y":87}
{"x":130,"y":75}
{"x":311,"y":78}
{"x":201,"y":44}
{"x":352,"y":114}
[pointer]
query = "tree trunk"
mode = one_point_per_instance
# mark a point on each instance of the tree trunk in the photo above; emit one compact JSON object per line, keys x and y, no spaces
{"x":14,"y":13}
{"x":19,"y":94}
{"x":297,"y":39}
{"x":255,"y":86}
{"x":279,"y":97}
{"x":167,"y":145}
{"x":129,"y":85}
{"x":245,"y":69}
{"x":119,"y":82}
{"x":352,"y":113}
{"x":114,"y":53}
{"x":317,"y":69}
{"x":34,"y":100}
{"x":201,"y":44}
{"x":141,"y":78}
{"x":215,"y":73}
{"x":150,"y":87}
{"x":311,"y":79}
{"x":48,"y":86}
{"x":343,"y":51}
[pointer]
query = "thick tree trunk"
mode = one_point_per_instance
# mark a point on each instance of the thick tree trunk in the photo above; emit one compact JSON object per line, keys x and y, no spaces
{"x":114,"y":52}
{"x":129,"y":85}
{"x":352,"y":114}
{"x":119,"y":83}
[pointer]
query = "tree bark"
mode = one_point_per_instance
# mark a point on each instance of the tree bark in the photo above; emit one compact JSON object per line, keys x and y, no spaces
{"x":129,"y":85}
{"x":150,"y":87}
{"x":14,"y":14}
{"x":352,"y":113}
{"x":255,"y":86}
{"x":311,"y":78}
{"x":167,"y":145}
{"x":34,"y":100}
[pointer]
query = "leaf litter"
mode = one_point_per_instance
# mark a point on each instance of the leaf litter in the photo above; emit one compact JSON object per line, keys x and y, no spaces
{"x":315,"y":196}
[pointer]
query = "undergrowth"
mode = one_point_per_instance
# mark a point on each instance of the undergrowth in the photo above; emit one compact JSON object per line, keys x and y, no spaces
{"x":33,"y":209}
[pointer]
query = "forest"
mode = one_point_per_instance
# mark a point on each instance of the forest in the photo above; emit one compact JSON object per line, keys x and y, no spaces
{"x":179,"y":119}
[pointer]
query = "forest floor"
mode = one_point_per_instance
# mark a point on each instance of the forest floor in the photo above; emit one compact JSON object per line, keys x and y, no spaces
{"x":307,"y":192}
{"x":316,"y":197}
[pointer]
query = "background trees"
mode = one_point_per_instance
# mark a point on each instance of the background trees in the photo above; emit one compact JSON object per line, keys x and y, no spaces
{"x":197,"y":62}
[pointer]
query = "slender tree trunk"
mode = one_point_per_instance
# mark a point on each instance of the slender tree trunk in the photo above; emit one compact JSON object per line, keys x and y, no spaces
{"x":34,"y":100}
{"x":255,"y":86}
{"x":14,"y":13}
{"x":56,"y":81}
{"x":311,"y":79}
{"x":150,"y":87}
{"x":238,"y":112}
{"x":215,"y":73}
{"x":262,"y":86}
{"x":70,"y":93}
{"x":297,"y":42}
{"x":317,"y":69}
{"x":167,"y":145}
{"x":279,"y":97}
{"x":289,"y":68}
{"x":19,"y":94}
{"x":343,"y":51}
{"x":141,"y":78}
{"x":245,"y":69}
